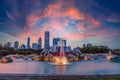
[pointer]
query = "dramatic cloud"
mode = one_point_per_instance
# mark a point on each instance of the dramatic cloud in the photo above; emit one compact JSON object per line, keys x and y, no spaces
{"x":59,"y":16}
{"x":70,"y":19}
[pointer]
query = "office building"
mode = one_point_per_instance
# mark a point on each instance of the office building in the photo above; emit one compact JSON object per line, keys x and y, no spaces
{"x":47,"y":40}
{"x":35,"y":46}
{"x":7,"y":45}
{"x":89,"y":45}
{"x":16,"y":44}
{"x":39,"y":43}
{"x":23,"y":46}
{"x":68,"y":49}
{"x":56,"y":41}
{"x":28,"y":43}
{"x":64,"y":42}
{"x":84,"y":45}
{"x":0,"y":45}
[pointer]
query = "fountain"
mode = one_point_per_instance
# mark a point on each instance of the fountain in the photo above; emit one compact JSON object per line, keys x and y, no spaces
{"x":14,"y":58}
{"x":110,"y":55}
{"x":61,"y":59}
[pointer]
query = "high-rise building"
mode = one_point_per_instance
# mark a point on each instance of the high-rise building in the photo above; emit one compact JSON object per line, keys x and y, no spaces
{"x":56,"y":41}
{"x":16,"y":44}
{"x":7,"y":45}
{"x":89,"y":45}
{"x":0,"y":45}
{"x":23,"y":46}
{"x":28,"y":43}
{"x":47,"y":40}
{"x":34,"y":46}
{"x":64,"y":42}
{"x":68,"y":49}
{"x":84,"y":45}
{"x":39,"y":43}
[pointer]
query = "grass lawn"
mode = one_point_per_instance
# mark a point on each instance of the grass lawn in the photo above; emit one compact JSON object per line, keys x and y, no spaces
{"x":94,"y":79}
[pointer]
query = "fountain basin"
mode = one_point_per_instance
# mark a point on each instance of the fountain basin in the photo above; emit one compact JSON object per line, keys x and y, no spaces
{"x":60,"y":61}
{"x":116,"y":59}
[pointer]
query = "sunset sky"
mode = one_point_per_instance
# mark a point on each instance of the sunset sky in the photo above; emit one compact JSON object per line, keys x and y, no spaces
{"x":78,"y":21}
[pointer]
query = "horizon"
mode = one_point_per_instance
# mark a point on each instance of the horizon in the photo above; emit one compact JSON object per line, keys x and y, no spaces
{"x":43,"y":46}
{"x":77,"y":21}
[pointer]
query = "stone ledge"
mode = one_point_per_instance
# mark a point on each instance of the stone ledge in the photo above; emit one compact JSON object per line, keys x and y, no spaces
{"x":51,"y":77}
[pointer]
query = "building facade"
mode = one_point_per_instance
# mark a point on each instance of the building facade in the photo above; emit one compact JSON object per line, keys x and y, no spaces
{"x":23,"y":46}
{"x":28,"y":43}
{"x":47,"y":40}
{"x":35,"y":46}
{"x":64,"y":42}
{"x":0,"y":45}
{"x":16,"y":44}
{"x":7,"y":45}
{"x":89,"y":45}
{"x":56,"y":41}
{"x":39,"y":43}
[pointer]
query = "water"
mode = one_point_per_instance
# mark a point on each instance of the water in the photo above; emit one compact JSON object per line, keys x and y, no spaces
{"x":61,"y":60}
{"x":75,"y":68}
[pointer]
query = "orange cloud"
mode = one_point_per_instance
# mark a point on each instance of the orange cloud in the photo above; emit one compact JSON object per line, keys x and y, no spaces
{"x":74,"y":14}
{"x":81,"y":27}
{"x":92,"y":21}
{"x":57,"y":15}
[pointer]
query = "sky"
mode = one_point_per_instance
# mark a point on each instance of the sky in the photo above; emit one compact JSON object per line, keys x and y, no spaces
{"x":78,"y":21}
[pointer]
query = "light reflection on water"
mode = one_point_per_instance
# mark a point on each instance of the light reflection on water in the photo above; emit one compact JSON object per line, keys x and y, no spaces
{"x":61,"y":69}
{"x":76,"y":68}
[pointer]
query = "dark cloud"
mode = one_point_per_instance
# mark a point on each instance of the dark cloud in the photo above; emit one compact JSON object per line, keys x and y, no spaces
{"x":71,"y":18}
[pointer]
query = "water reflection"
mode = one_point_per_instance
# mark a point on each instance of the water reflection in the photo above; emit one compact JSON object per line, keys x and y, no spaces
{"x":61,"y":69}
{"x":77,"y":68}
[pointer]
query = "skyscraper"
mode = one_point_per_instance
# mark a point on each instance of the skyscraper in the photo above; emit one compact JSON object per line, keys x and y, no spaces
{"x":47,"y":40}
{"x":28,"y":43}
{"x":64,"y":42}
{"x":39,"y":43}
{"x":23,"y":46}
{"x":89,"y":45}
{"x":16,"y":44}
{"x":84,"y":45}
{"x":34,"y":46}
{"x":0,"y":45}
{"x":7,"y":45}
{"x":56,"y":41}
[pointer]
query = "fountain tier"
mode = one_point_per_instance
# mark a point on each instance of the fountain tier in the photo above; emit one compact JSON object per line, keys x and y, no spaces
{"x":61,"y":59}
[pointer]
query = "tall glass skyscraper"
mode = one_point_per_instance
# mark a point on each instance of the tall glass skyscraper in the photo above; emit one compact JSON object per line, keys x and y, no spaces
{"x":39,"y":43}
{"x":64,"y":42}
{"x":56,"y":41}
{"x":35,"y":46}
{"x":47,"y":40}
{"x":28,"y":43}
{"x":16,"y":44}
{"x":8,"y":45}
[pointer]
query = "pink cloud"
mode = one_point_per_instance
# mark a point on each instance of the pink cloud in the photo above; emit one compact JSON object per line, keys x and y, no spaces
{"x":81,"y":27}
{"x":92,"y":21}
{"x":57,"y":14}
{"x":74,"y":14}
{"x":95,"y":22}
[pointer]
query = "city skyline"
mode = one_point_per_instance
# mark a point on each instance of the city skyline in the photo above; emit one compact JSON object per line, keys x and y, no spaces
{"x":38,"y":45}
{"x":77,"y":21}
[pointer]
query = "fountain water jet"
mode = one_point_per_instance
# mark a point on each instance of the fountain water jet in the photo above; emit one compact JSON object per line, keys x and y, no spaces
{"x":110,"y":55}
{"x":61,"y":59}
